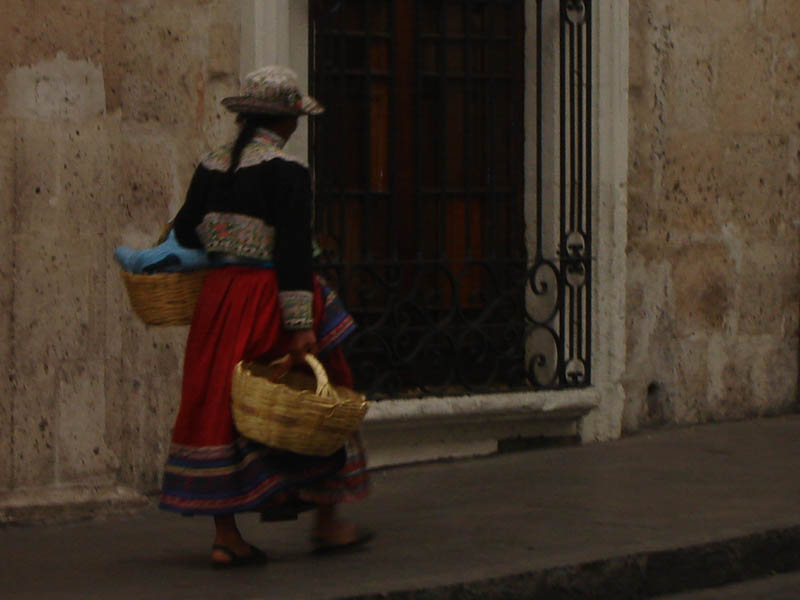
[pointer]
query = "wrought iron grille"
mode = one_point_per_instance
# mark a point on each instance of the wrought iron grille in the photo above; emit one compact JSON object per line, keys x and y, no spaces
{"x":419,"y":175}
{"x":558,"y":295}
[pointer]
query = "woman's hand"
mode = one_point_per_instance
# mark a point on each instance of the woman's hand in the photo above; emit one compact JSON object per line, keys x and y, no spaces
{"x":302,"y":343}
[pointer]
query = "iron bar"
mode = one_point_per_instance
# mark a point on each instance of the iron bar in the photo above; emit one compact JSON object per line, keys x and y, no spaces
{"x":467,"y":130}
{"x":490,"y":132}
{"x":563,"y":168}
{"x":588,"y":208}
{"x":539,"y":134}
{"x":391,"y":223}
{"x":366,"y":161}
{"x":341,"y":158}
{"x":571,"y":82}
{"x":580,"y":180}
{"x":573,"y":130}
{"x":441,"y":242}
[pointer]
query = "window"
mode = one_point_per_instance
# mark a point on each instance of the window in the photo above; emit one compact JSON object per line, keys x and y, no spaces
{"x":418,"y":165}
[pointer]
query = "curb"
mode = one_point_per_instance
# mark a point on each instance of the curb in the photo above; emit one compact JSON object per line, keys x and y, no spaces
{"x":634,"y":576}
{"x":69,"y":505}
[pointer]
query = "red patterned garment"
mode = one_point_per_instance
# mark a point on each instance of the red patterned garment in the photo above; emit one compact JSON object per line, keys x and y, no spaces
{"x":211,"y":469}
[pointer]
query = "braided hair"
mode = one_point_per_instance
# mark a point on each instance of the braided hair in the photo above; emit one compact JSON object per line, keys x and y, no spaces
{"x":249,"y":124}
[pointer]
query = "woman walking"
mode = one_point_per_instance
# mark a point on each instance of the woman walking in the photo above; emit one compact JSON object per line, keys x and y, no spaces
{"x":250,"y":205}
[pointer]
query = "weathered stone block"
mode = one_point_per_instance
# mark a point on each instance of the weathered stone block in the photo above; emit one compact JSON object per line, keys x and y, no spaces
{"x":638,"y":216}
{"x":59,"y":88}
{"x":90,"y":181}
{"x":648,"y":14}
{"x":151,"y":382}
{"x":787,"y":87}
{"x":644,"y":160}
{"x":690,"y":200}
{"x":39,"y":166}
{"x":739,"y":373}
{"x":650,"y":328}
{"x":223,"y":49}
{"x":782,"y":17}
{"x":14,"y":14}
{"x":7,"y":184}
{"x":219,"y":124}
{"x":774,"y":374}
{"x":157,"y":66}
{"x":688,"y":80}
{"x":640,"y":65}
{"x":36,"y":31}
{"x":34,"y":426}
{"x":115,"y":60}
{"x":52,"y":316}
{"x":148,"y":183}
{"x":692,"y":358}
{"x":744,"y":85}
{"x":759,"y":182}
{"x":669,"y":381}
{"x":769,"y":289}
{"x":702,"y":277}
{"x":117,"y":317}
{"x":65,"y":177}
{"x":714,"y":17}
{"x":736,"y":401}
{"x":81,"y":427}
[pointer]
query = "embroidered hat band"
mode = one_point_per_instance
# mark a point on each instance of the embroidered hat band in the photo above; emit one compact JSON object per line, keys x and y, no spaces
{"x":272,"y":90}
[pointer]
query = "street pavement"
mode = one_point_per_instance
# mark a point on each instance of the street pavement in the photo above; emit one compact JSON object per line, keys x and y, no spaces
{"x":777,"y":587}
{"x":650,"y":515}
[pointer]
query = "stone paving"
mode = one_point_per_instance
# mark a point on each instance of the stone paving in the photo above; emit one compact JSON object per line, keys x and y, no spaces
{"x":653,"y":514}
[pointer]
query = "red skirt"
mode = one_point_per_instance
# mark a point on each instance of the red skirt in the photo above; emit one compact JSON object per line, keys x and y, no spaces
{"x":211,"y":469}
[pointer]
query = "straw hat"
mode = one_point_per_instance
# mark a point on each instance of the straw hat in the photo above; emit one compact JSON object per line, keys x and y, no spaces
{"x":272,"y":90}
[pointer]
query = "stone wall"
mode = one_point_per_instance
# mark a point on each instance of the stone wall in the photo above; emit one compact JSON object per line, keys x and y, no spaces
{"x":106,"y":104}
{"x":104,"y":107}
{"x":714,"y":210}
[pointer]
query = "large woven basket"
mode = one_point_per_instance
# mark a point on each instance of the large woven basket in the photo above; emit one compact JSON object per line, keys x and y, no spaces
{"x":293,"y":410}
{"x":164,"y":298}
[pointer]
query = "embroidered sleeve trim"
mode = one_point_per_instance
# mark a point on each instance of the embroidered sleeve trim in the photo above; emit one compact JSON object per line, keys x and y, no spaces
{"x":237,"y":234}
{"x":296,"y":309}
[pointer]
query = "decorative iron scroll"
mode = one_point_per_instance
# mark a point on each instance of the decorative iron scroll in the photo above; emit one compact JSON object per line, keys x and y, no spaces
{"x":419,"y":173}
{"x":558,"y":299}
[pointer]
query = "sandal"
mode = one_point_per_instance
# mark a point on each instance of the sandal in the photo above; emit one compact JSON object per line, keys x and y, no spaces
{"x":255,"y":558}
{"x":321,"y":546}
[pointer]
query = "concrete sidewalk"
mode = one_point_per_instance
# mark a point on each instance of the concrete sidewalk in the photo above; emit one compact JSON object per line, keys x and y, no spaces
{"x":654,"y":514}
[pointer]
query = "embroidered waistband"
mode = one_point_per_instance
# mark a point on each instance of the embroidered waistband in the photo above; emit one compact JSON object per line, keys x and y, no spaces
{"x":241,"y":235}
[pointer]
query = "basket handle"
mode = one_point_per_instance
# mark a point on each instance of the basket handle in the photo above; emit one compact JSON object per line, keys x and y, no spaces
{"x":323,"y":385}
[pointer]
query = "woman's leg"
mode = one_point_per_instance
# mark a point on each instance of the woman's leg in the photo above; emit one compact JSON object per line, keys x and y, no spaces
{"x":227,"y":535}
{"x":331,"y":530}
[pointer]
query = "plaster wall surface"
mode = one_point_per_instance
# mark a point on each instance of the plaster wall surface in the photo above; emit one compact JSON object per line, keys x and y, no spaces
{"x":713,"y":251}
{"x":105,"y":106}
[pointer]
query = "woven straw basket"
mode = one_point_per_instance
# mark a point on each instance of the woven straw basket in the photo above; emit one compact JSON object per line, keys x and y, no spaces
{"x":292,"y":410}
{"x":164,"y":298}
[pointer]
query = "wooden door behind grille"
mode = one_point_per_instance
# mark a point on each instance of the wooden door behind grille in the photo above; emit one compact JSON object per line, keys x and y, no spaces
{"x":419,"y":175}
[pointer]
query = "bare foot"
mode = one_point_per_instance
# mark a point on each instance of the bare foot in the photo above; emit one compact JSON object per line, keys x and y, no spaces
{"x":332,"y":533}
